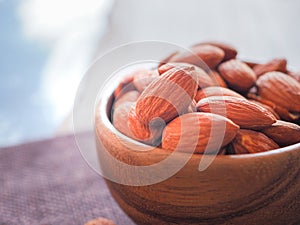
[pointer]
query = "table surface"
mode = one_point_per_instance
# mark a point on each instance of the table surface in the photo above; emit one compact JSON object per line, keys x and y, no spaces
{"x":48,"y":182}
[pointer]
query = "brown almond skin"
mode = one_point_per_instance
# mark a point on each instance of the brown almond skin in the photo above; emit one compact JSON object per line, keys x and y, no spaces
{"x":281,"y":89}
{"x":266,"y":107}
{"x":295,"y":75}
{"x":194,"y":130}
{"x":283,"y":133}
{"x":216,"y":77}
{"x":216,"y":91}
{"x":125,"y":121}
{"x":249,"y":141}
{"x":124,"y":86}
{"x":212,"y":78}
{"x":244,"y":113}
{"x":251,"y":64}
{"x":283,"y":113}
{"x":230,"y":51}
{"x":168,"y":96}
{"x":286,"y":115}
{"x":210,"y":55}
{"x":148,"y":134}
{"x":130,"y":96}
{"x":120,"y":118}
{"x":273,"y":65}
{"x":100,"y":221}
{"x":142,"y":78}
{"x":238,"y":75}
{"x":167,"y":66}
{"x":192,"y":108}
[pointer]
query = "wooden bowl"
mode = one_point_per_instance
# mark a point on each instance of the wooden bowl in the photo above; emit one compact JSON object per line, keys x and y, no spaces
{"x":260,"y":188}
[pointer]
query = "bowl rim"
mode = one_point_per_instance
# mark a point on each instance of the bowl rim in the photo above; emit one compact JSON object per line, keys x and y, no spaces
{"x":101,"y":110}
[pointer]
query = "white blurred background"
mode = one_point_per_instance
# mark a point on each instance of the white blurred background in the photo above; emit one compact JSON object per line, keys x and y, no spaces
{"x":46,"y":45}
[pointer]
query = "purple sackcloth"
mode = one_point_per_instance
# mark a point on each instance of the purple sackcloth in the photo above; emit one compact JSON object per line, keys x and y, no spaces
{"x":48,"y":183}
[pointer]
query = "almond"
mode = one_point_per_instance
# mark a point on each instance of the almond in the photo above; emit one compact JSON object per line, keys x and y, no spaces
{"x":142,"y":78}
{"x":167,"y":66}
{"x":216,"y":91}
{"x":210,"y":55}
{"x":249,"y":141}
{"x":250,"y":63}
{"x":286,"y":115}
{"x":124,"y":86}
{"x":125,"y":121}
{"x":217,"y":78}
{"x":281,"y":89}
{"x":273,"y":65}
{"x":204,"y":79}
{"x":194,"y":130}
{"x":192,"y":108}
{"x":130,"y":96}
{"x":100,"y":221}
{"x":295,"y":75}
{"x":148,"y":134}
{"x":244,"y":113}
{"x":168,"y":96}
{"x":120,"y":118}
{"x":266,"y":107}
{"x":230,"y":51}
{"x":167,"y":59}
{"x":282,"y":112}
{"x":283,"y":133}
{"x":238,"y":75}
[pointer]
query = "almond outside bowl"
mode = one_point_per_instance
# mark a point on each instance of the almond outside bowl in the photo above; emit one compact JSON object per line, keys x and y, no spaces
{"x":260,"y":188}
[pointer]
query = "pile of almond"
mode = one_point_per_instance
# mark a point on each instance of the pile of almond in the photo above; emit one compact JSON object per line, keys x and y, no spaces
{"x":183,"y":103}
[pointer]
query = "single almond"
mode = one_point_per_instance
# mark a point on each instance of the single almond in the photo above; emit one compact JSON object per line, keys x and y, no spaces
{"x":142,"y":78}
{"x":244,"y":113}
{"x":283,"y":133}
{"x":193,"y":132}
{"x":168,"y":96}
{"x":211,"y":55}
{"x":273,"y":65}
{"x":204,"y":79}
{"x":100,"y":221}
{"x":216,"y":91}
{"x":200,"y":56}
{"x":281,"y":89}
{"x":249,"y":141}
{"x":146,"y":133}
{"x":238,"y":75}
{"x":230,"y":51}
{"x":130,"y":96}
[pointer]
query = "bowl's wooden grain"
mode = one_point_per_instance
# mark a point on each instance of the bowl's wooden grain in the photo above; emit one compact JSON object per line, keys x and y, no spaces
{"x":261,"y":188}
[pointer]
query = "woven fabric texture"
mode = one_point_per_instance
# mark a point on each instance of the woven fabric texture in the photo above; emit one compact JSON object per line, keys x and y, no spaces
{"x":49,"y":183}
